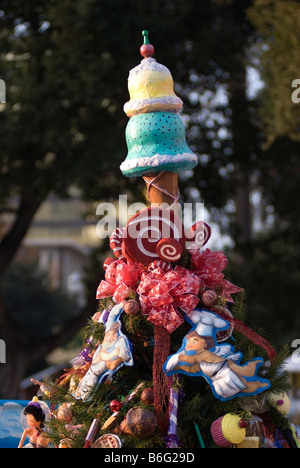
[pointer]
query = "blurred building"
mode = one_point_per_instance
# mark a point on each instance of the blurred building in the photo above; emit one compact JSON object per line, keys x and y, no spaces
{"x":60,"y":241}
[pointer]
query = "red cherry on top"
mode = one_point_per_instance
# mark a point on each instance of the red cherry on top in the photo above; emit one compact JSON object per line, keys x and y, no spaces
{"x":243,"y":424}
{"x":147,"y":49}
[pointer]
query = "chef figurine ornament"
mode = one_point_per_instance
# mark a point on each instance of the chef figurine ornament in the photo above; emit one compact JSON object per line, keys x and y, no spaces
{"x":110,"y":356}
{"x":201,"y":355}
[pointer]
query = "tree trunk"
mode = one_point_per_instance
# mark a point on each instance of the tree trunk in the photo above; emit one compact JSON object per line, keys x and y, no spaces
{"x":243,"y":211}
{"x":18,"y":347}
{"x":12,"y":372}
{"x":12,"y":241}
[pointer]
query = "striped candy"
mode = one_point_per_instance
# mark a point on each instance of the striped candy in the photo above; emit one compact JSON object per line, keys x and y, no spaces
{"x":115,"y":242}
{"x":173,"y":404}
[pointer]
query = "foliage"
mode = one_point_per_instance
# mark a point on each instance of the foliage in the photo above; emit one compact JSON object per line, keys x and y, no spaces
{"x":27,"y":298}
{"x":277,"y":28}
{"x":197,"y":404}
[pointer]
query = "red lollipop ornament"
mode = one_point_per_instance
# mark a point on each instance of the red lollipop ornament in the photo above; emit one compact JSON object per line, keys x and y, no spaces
{"x":152,"y":234}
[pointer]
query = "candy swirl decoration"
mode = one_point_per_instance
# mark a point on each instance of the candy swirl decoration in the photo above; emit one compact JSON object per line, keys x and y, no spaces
{"x":162,"y":294}
{"x":154,"y":233}
{"x":169,"y":250}
{"x":198,"y":235}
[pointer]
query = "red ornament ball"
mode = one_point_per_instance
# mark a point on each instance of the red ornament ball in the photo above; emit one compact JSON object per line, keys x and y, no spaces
{"x":147,"y":396}
{"x":131,"y":307}
{"x":141,"y":422}
{"x":115,"y":405}
{"x":209,"y":297}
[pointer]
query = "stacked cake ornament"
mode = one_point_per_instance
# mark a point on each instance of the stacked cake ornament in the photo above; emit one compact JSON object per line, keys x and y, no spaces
{"x":157,"y":151}
{"x":155,"y":134}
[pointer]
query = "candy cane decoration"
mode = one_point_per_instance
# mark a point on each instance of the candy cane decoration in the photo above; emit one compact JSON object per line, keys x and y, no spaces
{"x":115,"y":242}
{"x":90,"y":437}
{"x":172,"y":429}
{"x":164,"y":266}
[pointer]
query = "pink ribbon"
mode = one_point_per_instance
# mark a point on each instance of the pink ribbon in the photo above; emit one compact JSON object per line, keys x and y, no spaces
{"x":209,"y":267}
{"x":121,"y":280}
{"x":162,"y":294}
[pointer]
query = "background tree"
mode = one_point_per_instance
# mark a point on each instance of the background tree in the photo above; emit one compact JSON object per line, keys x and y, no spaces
{"x":273,"y":280}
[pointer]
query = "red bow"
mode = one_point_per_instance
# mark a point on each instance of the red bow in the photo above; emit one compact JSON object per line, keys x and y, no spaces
{"x":121,"y":280}
{"x":209,"y":267}
{"x":161,"y":294}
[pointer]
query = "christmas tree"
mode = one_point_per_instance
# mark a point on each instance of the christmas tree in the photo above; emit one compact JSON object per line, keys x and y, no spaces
{"x":168,"y":360}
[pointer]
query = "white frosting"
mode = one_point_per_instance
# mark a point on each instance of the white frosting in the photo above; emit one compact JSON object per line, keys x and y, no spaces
{"x":157,"y":160}
{"x":149,"y":64}
{"x":171,"y":103}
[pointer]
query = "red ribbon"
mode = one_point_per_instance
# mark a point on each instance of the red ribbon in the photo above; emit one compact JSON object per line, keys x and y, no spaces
{"x":209,"y":267}
{"x":162,"y":294}
{"x":121,"y":280}
{"x":250,"y":334}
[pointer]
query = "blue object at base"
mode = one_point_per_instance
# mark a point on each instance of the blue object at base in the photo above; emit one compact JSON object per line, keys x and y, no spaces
{"x":10,"y":422}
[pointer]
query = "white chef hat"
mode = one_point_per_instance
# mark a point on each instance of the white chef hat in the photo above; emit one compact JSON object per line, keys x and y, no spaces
{"x":207,"y":323}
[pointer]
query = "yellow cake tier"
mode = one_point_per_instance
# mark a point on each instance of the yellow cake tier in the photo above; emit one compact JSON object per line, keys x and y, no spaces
{"x":151,"y":89}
